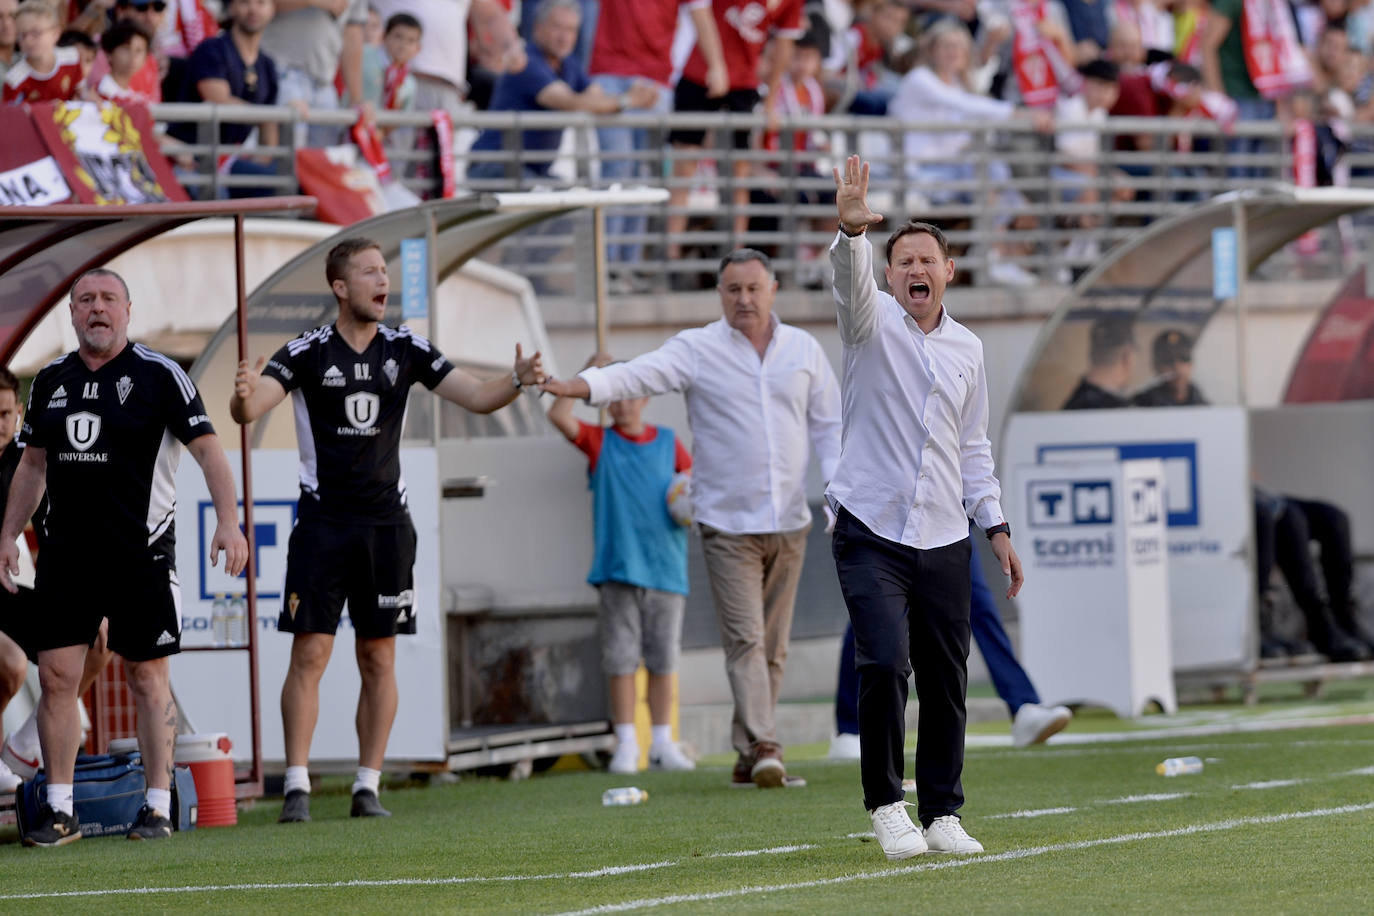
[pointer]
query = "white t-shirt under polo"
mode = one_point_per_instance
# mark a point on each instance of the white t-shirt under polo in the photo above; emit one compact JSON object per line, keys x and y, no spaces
{"x":915,"y":463}
{"x":754,"y":421}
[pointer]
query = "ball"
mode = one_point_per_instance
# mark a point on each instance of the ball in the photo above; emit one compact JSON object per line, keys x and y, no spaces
{"x":680,"y":498}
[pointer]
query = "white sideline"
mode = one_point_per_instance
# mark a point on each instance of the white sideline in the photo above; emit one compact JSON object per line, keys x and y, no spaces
{"x":1034,"y":812}
{"x":398,"y":882}
{"x":1010,"y":855}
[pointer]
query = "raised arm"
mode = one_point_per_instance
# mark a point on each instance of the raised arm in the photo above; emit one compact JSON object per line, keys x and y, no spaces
{"x":26,"y":489}
{"x":253,"y":394}
{"x":851,"y":256}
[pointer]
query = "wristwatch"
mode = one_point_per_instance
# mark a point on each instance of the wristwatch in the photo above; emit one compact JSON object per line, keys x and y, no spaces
{"x":852,"y":235}
{"x":515,"y":380}
{"x":1003,"y":528}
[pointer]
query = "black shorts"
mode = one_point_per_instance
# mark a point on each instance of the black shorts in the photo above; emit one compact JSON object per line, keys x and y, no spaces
{"x":690,"y":96}
{"x":140,"y":594}
{"x":18,"y":614}
{"x":369,"y":566}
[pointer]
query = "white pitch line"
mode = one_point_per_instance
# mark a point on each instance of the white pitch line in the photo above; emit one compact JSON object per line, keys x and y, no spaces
{"x":1010,"y":855}
{"x":1271,"y":784}
{"x":403,"y":882}
{"x":1151,"y":797}
{"x":1035,"y":812}
{"x":1361,"y":771}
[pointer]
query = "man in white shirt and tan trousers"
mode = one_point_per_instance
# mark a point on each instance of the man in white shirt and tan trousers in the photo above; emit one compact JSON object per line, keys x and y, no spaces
{"x":760,"y":396}
{"x":915,"y":466}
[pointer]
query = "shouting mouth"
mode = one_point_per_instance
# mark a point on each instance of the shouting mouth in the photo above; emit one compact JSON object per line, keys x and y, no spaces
{"x":918,"y":291}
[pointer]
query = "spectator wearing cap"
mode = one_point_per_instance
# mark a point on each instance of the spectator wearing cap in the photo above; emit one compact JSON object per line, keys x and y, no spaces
{"x":552,"y":79}
{"x":1172,"y":355}
{"x":232,"y":69}
{"x":1111,"y":361}
{"x":311,"y":41}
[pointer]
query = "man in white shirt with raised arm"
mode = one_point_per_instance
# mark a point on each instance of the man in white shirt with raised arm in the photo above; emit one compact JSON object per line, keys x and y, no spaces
{"x":915,"y":466}
{"x":759,"y":392}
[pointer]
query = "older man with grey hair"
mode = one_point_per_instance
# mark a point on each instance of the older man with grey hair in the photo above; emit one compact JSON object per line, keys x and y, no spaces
{"x":760,"y":396}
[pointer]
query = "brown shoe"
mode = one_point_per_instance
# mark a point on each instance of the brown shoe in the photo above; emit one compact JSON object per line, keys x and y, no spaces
{"x":768,"y":771}
{"x":740,"y":778}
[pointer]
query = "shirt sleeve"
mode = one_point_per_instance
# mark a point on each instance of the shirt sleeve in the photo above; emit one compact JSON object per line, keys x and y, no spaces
{"x":430,"y":365}
{"x":854,"y":287}
{"x":682,"y":459}
{"x":790,"y":23}
{"x":669,"y":368}
{"x":39,"y":393}
{"x":588,"y":442}
{"x":186,"y":417}
{"x":285,"y":368}
{"x":207,"y":63}
{"x":823,"y":415}
{"x":982,"y":492}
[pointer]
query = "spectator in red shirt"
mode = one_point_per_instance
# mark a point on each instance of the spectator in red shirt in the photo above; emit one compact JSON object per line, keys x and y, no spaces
{"x":149,"y":15}
{"x":1137,"y":96}
{"x":47,"y":73}
{"x":126,"y":46}
{"x":744,"y":27}
{"x":634,"y":40}
{"x":85,"y":47}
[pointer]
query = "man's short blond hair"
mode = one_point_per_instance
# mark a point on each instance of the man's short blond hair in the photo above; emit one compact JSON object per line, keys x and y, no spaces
{"x":37,"y":8}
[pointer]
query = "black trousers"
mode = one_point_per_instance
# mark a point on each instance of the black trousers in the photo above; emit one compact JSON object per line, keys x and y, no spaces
{"x":910,"y":611}
{"x":1285,"y":541}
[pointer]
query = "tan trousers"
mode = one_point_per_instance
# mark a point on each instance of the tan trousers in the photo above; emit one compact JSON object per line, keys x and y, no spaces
{"x":754,"y":582}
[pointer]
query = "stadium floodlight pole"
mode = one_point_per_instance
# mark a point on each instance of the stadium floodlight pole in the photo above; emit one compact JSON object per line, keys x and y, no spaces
{"x":251,"y":570}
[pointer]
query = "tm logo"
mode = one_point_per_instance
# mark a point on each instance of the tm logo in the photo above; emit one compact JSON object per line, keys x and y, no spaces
{"x":273,"y":520}
{"x":1070,"y":502}
{"x":1145,"y":504}
{"x":1180,"y":497}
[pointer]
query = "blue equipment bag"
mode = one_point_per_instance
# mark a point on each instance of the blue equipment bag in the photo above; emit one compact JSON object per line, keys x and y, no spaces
{"x":107,"y":793}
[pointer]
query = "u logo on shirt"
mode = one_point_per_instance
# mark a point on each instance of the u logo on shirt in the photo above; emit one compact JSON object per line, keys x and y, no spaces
{"x":361,"y":409}
{"x":83,"y":428}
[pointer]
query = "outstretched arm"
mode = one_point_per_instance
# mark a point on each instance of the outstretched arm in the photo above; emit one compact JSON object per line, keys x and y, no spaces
{"x":560,"y":414}
{"x":851,"y":256}
{"x":471,"y":393}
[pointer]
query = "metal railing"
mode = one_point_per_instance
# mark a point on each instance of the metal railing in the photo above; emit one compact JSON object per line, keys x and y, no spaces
{"x":1049,"y":215}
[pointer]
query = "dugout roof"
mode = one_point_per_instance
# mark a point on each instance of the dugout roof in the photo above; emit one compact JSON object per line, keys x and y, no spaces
{"x":44,"y":249}
{"x":1162,"y":279}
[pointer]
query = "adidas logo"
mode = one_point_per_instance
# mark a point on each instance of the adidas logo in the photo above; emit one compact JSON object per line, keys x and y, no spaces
{"x":333,"y":378}
{"x":59,"y":397}
{"x":61,"y":392}
{"x":166,"y":639}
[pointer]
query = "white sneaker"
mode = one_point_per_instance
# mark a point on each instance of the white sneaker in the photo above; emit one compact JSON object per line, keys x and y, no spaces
{"x":1035,"y":723}
{"x":625,"y":760}
{"x":1005,"y":273}
{"x":23,"y":767}
{"x":896,"y":833}
{"x":9,"y":780}
{"x":946,"y":834}
{"x":844,"y":747}
{"x":669,"y":757}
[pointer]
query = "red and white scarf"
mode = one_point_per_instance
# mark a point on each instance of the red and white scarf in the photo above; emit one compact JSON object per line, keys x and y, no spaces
{"x":1041,"y":70}
{"x":1305,"y":174}
{"x":1215,"y":105}
{"x":392,"y":81}
{"x":1273,"y":53}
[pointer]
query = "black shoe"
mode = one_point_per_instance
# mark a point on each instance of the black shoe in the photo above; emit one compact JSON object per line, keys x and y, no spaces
{"x":296,"y":808}
{"x":365,"y":804}
{"x":149,"y":825}
{"x":1270,"y":647}
{"x":55,"y":828}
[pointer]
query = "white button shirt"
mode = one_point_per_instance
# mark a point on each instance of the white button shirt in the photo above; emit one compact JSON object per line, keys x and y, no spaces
{"x":916,"y":463}
{"x":752,"y":419}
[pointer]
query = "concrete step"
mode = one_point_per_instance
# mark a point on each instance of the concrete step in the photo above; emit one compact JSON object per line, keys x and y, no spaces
{"x":706,"y":726}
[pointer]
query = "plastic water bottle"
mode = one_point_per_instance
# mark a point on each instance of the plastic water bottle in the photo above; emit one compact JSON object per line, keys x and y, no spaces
{"x":624,"y":795}
{"x":1179,"y":766}
{"x":219,"y":621}
{"x":238,"y":621}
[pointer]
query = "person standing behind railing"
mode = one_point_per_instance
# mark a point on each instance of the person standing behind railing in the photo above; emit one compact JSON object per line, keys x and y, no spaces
{"x":311,"y":41}
{"x":9,"y":37}
{"x":231,"y":69}
{"x":553,"y":79}
{"x":634,"y":40}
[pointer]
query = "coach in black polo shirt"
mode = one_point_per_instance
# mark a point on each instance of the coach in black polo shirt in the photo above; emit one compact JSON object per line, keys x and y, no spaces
{"x":104,"y":431}
{"x":353,"y":539}
{"x":915,"y":466}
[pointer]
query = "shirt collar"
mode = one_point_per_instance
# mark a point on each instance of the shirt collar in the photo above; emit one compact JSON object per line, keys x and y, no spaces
{"x":939,"y":328}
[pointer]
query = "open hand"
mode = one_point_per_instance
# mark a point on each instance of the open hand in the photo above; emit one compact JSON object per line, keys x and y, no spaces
{"x":851,"y":196}
{"x":530,"y":371}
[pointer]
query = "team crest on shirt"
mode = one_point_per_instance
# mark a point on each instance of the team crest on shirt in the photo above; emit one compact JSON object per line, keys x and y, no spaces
{"x":83,"y":428}
{"x":361,"y":409}
{"x":123,"y":387}
{"x":391,"y":370}
{"x":333,"y":378}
